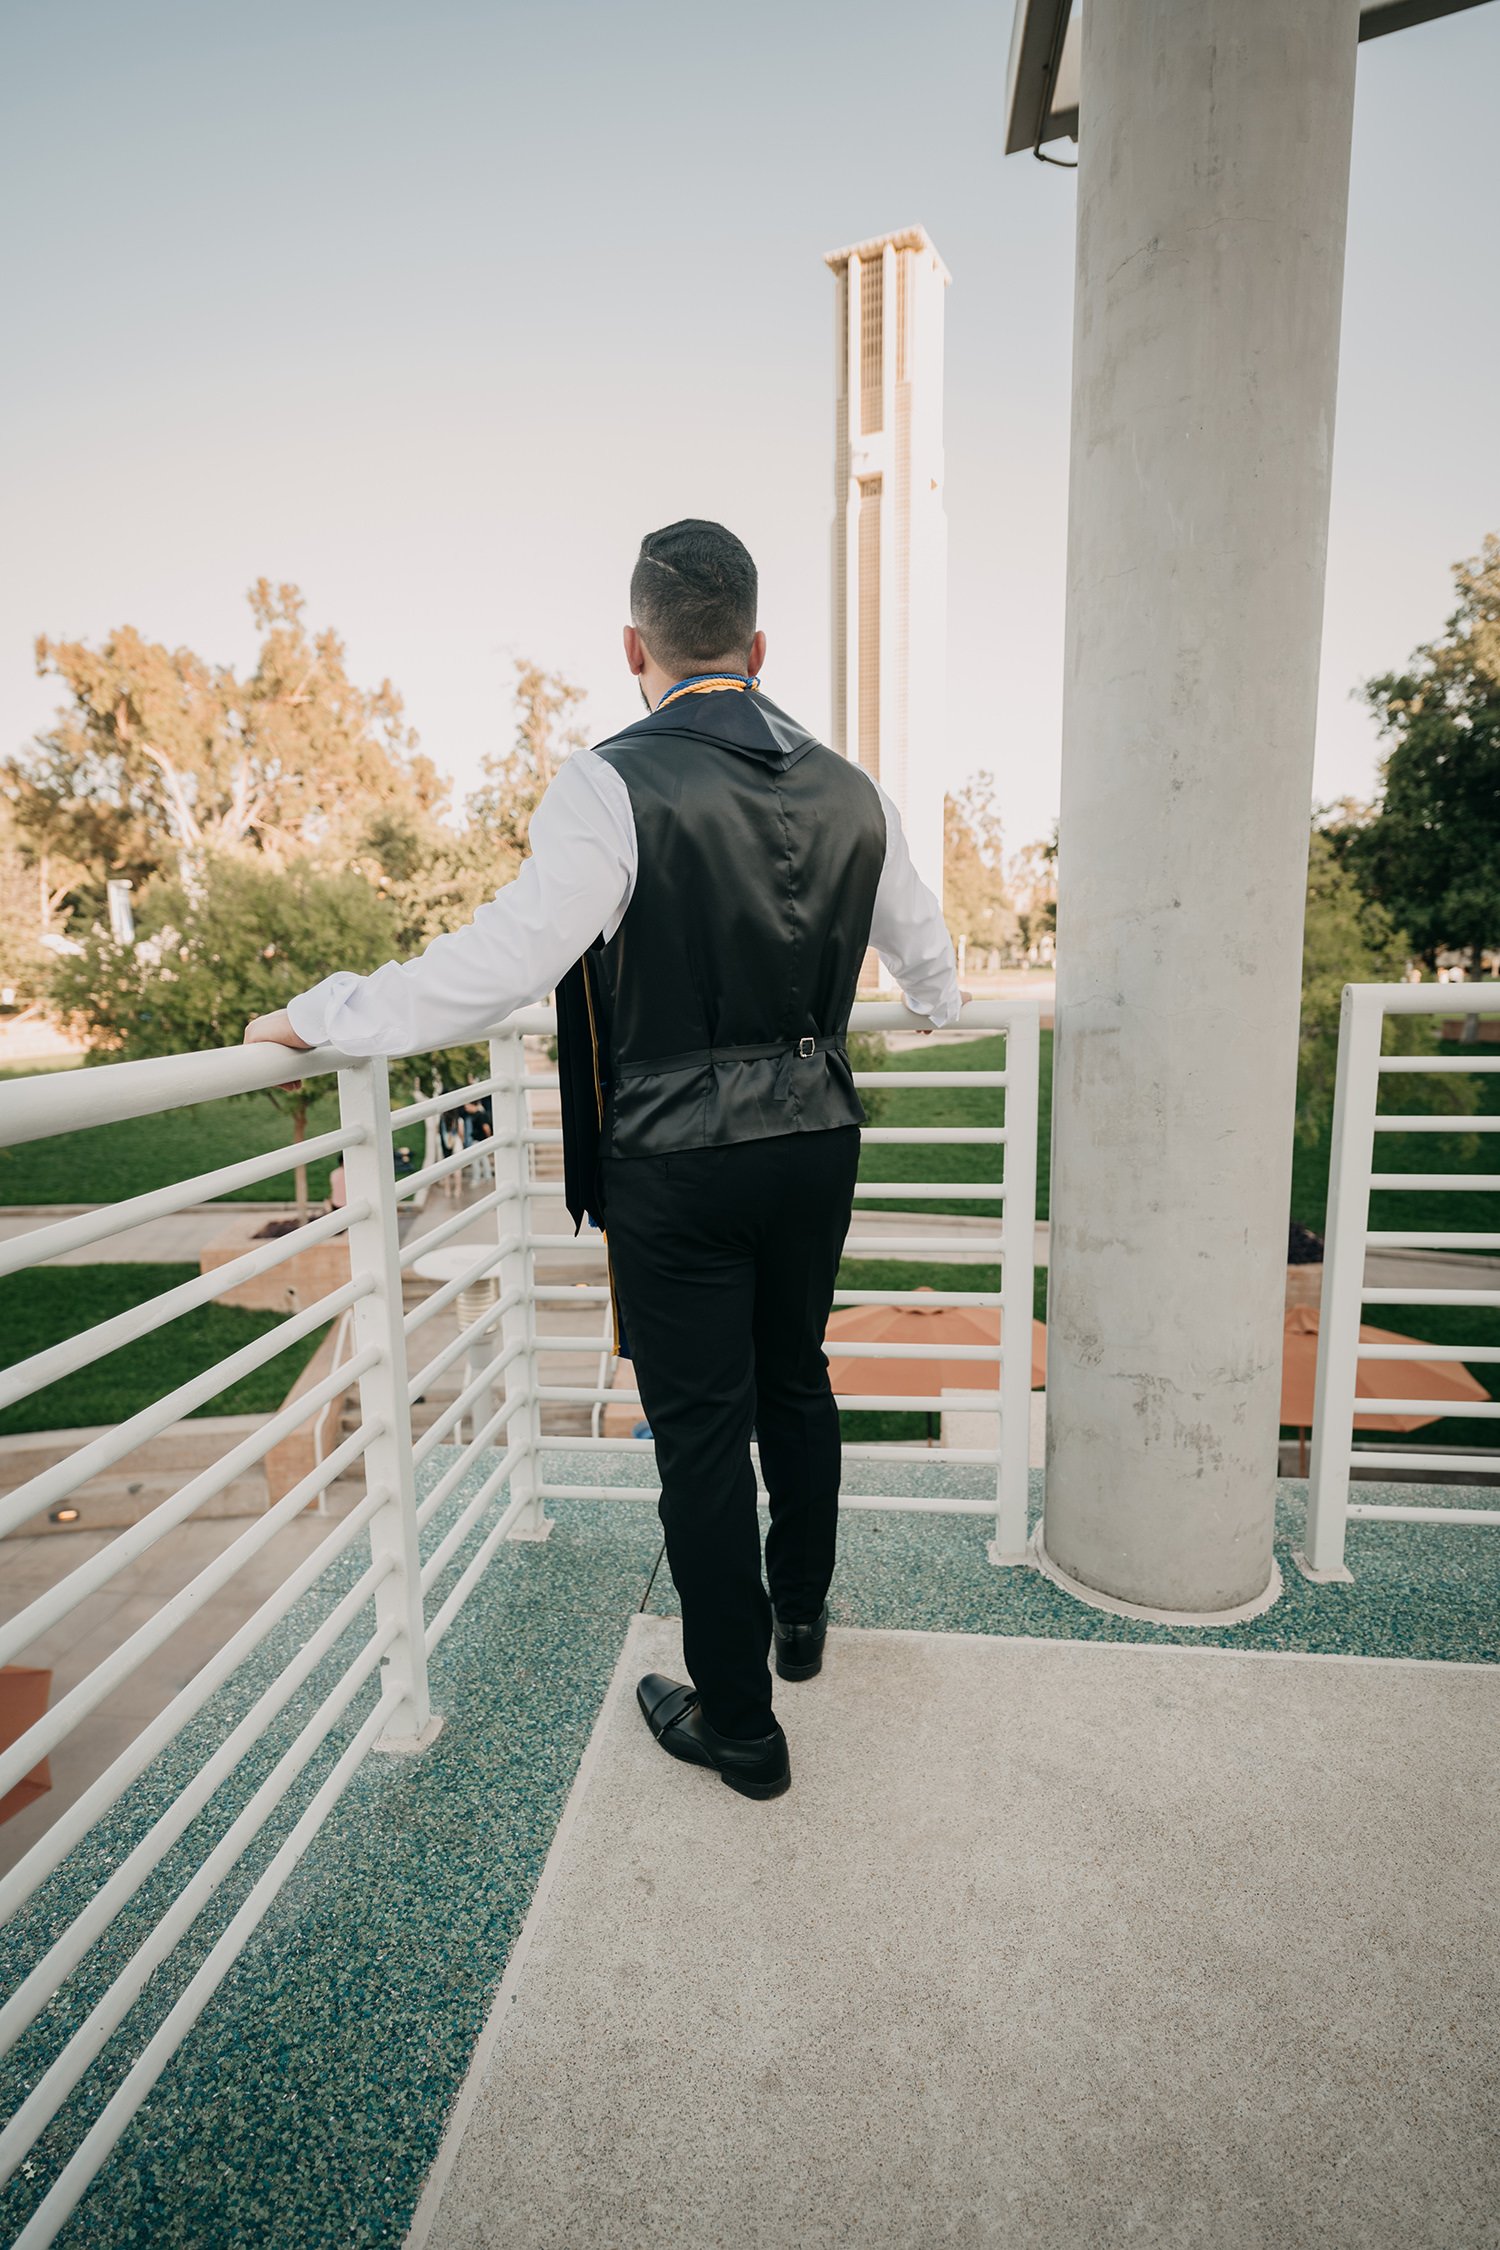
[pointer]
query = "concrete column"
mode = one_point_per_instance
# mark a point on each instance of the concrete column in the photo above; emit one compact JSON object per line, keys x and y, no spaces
{"x":1213,"y":179}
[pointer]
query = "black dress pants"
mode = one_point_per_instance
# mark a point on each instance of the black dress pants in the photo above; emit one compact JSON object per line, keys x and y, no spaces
{"x":724,"y":1262}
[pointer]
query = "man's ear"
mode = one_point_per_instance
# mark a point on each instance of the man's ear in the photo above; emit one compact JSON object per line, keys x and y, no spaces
{"x":757,"y":663}
{"x":635,"y":651}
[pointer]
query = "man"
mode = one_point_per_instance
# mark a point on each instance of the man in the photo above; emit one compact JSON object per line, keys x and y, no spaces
{"x":701,"y":891}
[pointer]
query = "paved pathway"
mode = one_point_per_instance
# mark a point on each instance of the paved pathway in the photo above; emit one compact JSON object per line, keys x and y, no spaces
{"x":1049,"y":1944}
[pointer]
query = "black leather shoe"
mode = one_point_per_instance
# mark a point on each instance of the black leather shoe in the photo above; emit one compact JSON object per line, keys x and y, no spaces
{"x":756,"y":1769}
{"x":799,"y":1648}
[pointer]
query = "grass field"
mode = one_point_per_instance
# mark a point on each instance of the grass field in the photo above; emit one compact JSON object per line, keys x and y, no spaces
{"x":54,"y":1302}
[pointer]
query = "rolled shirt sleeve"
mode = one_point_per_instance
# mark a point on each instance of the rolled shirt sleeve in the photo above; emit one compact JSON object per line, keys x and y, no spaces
{"x":575,"y":885}
{"x":909,"y":933}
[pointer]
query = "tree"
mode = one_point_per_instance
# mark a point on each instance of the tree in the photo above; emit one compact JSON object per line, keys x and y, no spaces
{"x":1349,"y":938}
{"x":1431,"y":853}
{"x":974,"y":899}
{"x":515,"y":780}
{"x":239,"y":943}
{"x":163,"y":760}
{"x":1033,"y":887}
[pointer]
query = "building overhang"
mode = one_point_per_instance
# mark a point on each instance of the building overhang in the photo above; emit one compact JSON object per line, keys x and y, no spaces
{"x":1041,"y":88}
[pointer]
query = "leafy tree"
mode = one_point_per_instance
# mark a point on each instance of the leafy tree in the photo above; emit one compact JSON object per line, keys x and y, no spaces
{"x":239,"y":943}
{"x":515,"y":780}
{"x":1033,"y":888}
{"x":162,"y":759}
{"x":1431,"y":853}
{"x":974,"y":896}
{"x":1349,"y":938}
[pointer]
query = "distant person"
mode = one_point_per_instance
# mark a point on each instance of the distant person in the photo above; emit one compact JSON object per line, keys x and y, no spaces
{"x":701,"y":892}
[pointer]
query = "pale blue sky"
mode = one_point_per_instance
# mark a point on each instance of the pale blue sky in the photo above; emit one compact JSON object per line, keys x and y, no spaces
{"x":435,"y":309}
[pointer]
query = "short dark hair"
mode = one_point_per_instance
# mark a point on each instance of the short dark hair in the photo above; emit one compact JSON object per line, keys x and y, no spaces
{"x":693,"y":594}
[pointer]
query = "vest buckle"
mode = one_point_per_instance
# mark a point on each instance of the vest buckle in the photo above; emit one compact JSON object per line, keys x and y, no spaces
{"x":807,"y":1047}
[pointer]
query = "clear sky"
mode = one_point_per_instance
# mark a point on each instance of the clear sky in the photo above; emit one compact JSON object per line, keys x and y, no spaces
{"x":434,"y":309}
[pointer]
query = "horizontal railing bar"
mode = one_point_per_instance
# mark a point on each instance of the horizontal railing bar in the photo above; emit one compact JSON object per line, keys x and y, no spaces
{"x":571,"y":1293}
{"x":457,"y":1470}
{"x":69,"y":1949}
{"x":1438,"y":1062}
{"x":421,"y":1244}
{"x":837,"y":1348}
{"x":55,"y":1483}
{"x":441,"y":1166}
{"x":939,"y":1136}
{"x":38,"y":1617}
{"x":1385,"y":1123}
{"x":1481,"y":1354}
{"x":106,"y":1219}
{"x":76,"y":1819}
{"x":933,"y":1191}
{"x":1438,"y":999}
{"x":34,"y":1108}
{"x":72,"y":2182}
{"x":1472,"y":1409}
{"x":443,"y":1296}
{"x":1414,"y":1241}
{"x":481,"y":1381}
{"x":41,"y":1738}
{"x":989,"y":1246}
{"x":540,"y":1136}
{"x":477,"y":1564}
{"x":1427,"y":1183}
{"x":1381,"y":1513}
{"x":904,"y":1504}
{"x":441,"y":1361}
{"x":58,"y":1360}
{"x":921,"y":1299}
{"x":1476,"y":1297}
{"x":1408,"y":1457}
{"x":961,"y":1456}
{"x":853,"y":1402}
{"x":583,"y":1346}
{"x":433,"y":1105}
{"x":438,"y":1561}
{"x":922,"y":1079}
{"x":57,"y":2082}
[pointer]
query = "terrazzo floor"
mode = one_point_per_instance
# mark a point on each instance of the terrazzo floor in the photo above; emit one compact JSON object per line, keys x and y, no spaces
{"x":306,"y":2107}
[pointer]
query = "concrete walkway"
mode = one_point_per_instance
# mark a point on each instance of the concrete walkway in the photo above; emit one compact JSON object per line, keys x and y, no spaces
{"x":1050,"y":1944}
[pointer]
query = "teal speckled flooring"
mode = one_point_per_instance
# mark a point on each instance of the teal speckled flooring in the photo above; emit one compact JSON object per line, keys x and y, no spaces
{"x":307,"y":2105}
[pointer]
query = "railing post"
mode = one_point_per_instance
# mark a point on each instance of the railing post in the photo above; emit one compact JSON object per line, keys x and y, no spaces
{"x":1017,"y":1280}
{"x":1356,"y":1089}
{"x":518,"y":1273}
{"x":374,"y":1252}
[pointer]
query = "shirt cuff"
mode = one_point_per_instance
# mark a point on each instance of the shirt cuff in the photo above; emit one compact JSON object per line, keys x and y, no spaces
{"x":311,"y":1012}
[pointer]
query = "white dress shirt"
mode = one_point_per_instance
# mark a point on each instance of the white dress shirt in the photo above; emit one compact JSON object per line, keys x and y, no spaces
{"x":574,"y":887}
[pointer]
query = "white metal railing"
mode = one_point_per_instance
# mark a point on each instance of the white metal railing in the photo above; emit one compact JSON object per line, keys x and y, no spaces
{"x":1357,"y":1119}
{"x":400,"y":1604}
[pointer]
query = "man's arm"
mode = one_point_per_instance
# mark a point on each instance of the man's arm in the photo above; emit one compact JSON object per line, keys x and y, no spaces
{"x":908,"y":931}
{"x":576,"y":883}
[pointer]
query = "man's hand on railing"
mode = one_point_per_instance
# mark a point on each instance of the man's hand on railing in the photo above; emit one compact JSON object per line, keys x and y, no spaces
{"x":963,"y":999}
{"x":276,"y":1030}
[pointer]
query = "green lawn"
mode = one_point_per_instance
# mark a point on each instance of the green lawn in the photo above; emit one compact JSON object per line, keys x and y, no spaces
{"x":50,"y":1303}
{"x":113,"y":1161}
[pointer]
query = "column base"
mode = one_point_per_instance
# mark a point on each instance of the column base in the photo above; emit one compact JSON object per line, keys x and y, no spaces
{"x":1270,"y":1594}
{"x":410,"y":1745}
{"x":1338,"y":1576}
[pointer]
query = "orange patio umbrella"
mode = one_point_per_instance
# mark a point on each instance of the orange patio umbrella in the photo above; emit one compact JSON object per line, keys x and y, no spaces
{"x":1442,"y":1381}
{"x":949,"y":1325}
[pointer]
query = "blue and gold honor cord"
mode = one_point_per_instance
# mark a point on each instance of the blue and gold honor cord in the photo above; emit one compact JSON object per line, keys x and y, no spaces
{"x":711,"y":683}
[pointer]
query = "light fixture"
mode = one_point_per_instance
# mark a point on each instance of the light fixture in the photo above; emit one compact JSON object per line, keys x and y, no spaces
{"x":66,"y":1514}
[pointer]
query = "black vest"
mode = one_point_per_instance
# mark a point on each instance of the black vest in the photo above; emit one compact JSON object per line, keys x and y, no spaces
{"x":717,"y":1011}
